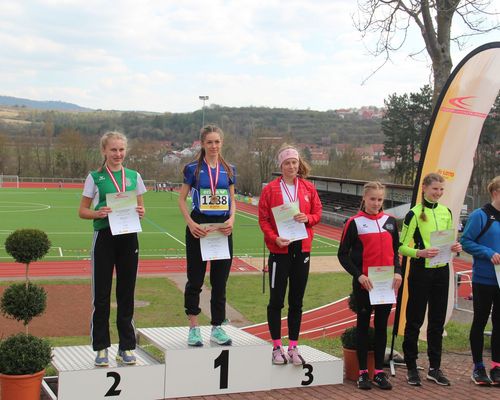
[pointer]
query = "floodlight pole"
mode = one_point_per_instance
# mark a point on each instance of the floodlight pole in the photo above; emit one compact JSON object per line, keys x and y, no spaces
{"x":203,"y":98}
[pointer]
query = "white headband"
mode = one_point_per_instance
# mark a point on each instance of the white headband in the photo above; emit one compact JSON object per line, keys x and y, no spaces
{"x":286,"y":154}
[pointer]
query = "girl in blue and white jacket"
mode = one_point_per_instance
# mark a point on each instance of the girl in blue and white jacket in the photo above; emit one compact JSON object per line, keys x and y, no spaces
{"x":481,"y":238}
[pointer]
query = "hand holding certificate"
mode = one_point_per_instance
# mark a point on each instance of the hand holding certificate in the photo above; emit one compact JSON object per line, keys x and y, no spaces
{"x":382,"y":280}
{"x":215,"y":245}
{"x":443,"y":241}
{"x":124,"y":217}
{"x":288,"y":228}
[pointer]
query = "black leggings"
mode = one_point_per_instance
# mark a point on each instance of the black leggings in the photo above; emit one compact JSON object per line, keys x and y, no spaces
{"x":110,"y":253}
{"x":196,"y":269}
{"x":381,"y":315}
{"x":484,"y":296}
{"x":293,"y":267}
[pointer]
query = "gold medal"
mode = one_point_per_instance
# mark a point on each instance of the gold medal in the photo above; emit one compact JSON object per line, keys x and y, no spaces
{"x":213,"y":199}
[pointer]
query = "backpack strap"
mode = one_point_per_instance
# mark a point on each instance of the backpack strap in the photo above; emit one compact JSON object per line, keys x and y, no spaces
{"x":490,"y":218}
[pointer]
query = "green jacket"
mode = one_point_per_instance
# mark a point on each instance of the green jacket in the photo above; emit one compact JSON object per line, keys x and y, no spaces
{"x":415,"y":229}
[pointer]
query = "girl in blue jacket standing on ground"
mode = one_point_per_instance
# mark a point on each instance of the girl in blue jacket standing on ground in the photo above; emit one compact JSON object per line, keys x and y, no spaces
{"x":481,"y":238}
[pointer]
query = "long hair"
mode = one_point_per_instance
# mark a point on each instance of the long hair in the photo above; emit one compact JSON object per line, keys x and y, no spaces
{"x":201,"y":154}
{"x":372,"y":185}
{"x":428,"y":180}
{"x":103,"y":142}
{"x":304,"y":167}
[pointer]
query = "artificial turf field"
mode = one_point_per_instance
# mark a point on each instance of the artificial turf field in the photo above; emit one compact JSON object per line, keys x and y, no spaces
{"x":55,"y":211}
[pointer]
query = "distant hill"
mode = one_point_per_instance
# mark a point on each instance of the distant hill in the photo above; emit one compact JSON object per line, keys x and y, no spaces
{"x":40,"y":105}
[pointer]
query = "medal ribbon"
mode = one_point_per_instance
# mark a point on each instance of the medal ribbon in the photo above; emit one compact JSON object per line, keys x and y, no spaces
{"x":213,"y":183}
{"x":289,"y":195}
{"x":114,"y":180}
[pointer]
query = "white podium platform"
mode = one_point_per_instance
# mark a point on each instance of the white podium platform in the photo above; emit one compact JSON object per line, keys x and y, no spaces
{"x":188,"y":371}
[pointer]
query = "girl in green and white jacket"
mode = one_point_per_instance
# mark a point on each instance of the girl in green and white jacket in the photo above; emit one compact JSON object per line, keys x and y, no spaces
{"x":427,"y":285}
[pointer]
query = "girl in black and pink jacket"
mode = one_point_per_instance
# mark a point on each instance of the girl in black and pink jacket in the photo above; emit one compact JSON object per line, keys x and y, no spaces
{"x":288,"y":260}
{"x":370,"y":239}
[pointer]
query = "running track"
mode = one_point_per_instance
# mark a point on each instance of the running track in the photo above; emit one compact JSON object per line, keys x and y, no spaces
{"x":326,"y":321}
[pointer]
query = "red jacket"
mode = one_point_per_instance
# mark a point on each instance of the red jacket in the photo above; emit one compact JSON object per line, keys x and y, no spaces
{"x":309,"y":204}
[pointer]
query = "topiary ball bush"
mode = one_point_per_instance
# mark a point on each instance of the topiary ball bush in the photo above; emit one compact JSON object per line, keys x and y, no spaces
{"x":348,"y":338}
{"x":23,"y":302}
{"x":27,"y":245}
{"x":23,"y":354}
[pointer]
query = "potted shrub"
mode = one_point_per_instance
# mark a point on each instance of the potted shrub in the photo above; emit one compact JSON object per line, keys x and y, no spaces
{"x":348,"y":340}
{"x":24,"y":357}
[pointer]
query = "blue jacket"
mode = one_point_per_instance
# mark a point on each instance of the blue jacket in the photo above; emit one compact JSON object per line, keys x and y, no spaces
{"x":483,"y":249}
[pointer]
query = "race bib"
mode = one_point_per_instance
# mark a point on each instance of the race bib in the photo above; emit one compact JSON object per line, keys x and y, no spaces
{"x":217,"y":202}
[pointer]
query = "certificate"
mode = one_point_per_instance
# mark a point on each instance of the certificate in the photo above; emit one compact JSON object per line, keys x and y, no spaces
{"x":442,"y":240}
{"x":497,"y":271}
{"x":215,"y":245}
{"x":288,"y":228}
{"x":124,"y":217}
{"x":382,"y":279}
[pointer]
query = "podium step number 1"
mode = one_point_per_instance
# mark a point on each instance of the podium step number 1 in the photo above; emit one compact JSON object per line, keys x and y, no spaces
{"x":188,"y":371}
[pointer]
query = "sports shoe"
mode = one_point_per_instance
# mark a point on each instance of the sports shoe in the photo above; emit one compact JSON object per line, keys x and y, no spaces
{"x":194,"y":337}
{"x":479,"y":377}
{"x":364,"y":382}
{"x":220,"y":337}
{"x":126,"y":357}
{"x":101,"y":359}
{"x":413,"y":377}
{"x":382,"y":381}
{"x":437,"y":376}
{"x":295,"y":357}
{"x":279,"y":357}
{"x":495,"y":376}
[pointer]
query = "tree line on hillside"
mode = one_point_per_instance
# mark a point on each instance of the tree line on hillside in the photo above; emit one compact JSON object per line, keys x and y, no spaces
{"x":64,"y":144}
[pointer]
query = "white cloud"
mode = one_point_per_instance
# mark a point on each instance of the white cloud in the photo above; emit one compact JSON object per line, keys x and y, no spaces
{"x":161,"y":54}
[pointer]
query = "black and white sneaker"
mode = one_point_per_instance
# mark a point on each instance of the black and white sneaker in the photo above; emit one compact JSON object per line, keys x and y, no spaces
{"x":382,"y":381}
{"x":495,"y":376}
{"x":480,"y":377}
{"x":437,"y":376}
{"x":413,"y":377}
{"x":364,"y":382}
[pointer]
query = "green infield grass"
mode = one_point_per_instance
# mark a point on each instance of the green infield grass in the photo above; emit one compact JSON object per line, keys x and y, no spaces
{"x":55,"y":211}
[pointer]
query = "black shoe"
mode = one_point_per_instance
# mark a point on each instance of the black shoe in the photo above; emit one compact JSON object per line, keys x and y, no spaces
{"x":495,"y":376}
{"x":381,"y":381}
{"x":479,"y":377}
{"x":364,"y":382}
{"x":413,"y":377}
{"x":437,"y":376}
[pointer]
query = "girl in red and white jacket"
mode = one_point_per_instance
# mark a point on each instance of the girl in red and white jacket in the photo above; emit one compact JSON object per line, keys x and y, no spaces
{"x":288,"y":259}
{"x":370,"y":239}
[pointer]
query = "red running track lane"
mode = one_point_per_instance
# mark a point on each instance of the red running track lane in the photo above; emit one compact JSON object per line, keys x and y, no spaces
{"x":332,"y":319}
{"x":83,"y":268}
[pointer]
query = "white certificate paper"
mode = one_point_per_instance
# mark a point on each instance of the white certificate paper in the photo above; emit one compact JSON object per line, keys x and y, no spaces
{"x":442,"y":240}
{"x":214,"y":246}
{"x":288,"y":228}
{"x":124,"y":217}
{"x":382,"y":279}
{"x":497,"y":270}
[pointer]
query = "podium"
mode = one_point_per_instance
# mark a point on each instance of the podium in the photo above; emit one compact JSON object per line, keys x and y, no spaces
{"x":211,"y":369}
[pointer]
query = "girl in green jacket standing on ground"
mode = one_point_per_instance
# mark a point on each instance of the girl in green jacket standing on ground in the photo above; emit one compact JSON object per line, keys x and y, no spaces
{"x":427,"y":284}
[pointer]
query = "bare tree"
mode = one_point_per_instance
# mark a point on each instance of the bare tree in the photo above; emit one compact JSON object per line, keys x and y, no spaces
{"x":391,"y":21}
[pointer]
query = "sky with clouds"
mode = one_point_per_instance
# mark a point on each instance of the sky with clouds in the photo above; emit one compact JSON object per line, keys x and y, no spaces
{"x":161,"y":55}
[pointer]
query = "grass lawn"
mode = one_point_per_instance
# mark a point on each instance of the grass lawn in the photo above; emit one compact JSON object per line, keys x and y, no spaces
{"x":245,"y":294}
{"x":56,"y":212}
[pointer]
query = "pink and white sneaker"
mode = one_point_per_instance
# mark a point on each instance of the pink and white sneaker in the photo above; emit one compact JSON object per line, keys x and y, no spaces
{"x":279,"y":357}
{"x":295,"y":357}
